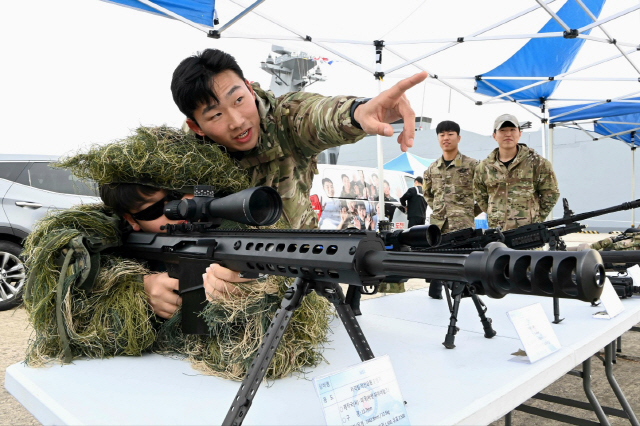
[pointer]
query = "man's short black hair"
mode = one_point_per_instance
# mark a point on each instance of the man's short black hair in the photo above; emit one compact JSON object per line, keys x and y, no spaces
{"x":192,"y":80}
{"x":448,"y":126}
{"x":419,"y":180}
{"x":325,"y":180}
{"x":124,"y":197}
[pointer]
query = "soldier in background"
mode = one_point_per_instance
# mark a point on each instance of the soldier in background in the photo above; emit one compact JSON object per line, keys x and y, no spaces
{"x":448,"y":188}
{"x":514,"y":185}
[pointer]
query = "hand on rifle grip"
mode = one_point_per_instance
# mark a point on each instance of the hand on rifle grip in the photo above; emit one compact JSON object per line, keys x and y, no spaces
{"x":219,"y":282}
{"x":162,"y":294}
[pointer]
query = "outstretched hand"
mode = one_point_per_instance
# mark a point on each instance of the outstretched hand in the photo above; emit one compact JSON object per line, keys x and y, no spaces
{"x":389,"y":106}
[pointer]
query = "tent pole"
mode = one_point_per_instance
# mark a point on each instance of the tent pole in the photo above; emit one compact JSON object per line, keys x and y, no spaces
{"x":551,"y":130}
{"x":552,"y":127}
{"x":633,"y":182}
{"x":545,"y":127}
{"x":379,"y":44}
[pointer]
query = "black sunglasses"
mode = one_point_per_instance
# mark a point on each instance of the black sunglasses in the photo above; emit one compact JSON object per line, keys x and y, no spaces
{"x":156,"y":210}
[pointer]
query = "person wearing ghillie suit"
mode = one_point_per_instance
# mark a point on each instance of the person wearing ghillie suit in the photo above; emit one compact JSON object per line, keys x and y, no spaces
{"x":514,"y":185}
{"x":448,"y":188}
{"x":86,"y":298}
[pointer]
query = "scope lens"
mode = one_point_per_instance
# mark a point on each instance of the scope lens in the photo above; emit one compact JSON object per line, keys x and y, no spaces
{"x":265,"y":207}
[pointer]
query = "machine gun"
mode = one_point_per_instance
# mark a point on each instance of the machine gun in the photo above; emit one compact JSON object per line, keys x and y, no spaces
{"x":320,"y":260}
{"x":525,"y":237}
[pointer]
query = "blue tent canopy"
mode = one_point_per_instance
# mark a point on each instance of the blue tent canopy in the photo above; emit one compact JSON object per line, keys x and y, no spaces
{"x":542,"y":57}
{"x":198,"y":11}
{"x":593,"y":110}
{"x":408,"y":163}
{"x":610,"y":118}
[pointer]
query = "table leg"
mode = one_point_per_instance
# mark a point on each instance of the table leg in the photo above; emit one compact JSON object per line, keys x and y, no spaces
{"x":507,"y":419}
{"x":586,"y":385}
{"x":619,"y":348}
{"x":608,"y":366}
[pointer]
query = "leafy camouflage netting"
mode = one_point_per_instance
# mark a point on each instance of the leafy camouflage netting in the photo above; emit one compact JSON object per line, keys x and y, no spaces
{"x":80,"y":311}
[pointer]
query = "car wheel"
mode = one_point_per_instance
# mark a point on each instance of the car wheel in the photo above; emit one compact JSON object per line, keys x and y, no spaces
{"x":12,"y":275}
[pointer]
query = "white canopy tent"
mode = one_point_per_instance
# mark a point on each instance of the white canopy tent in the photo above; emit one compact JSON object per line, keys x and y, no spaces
{"x":418,"y":53}
{"x":411,"y":46}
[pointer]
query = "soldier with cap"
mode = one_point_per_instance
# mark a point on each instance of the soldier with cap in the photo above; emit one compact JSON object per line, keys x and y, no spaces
{"x":514,"y":185}
{"x":448,"y":188}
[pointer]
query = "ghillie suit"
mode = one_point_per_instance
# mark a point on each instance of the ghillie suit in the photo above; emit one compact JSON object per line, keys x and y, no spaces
{"x":85,"y":299}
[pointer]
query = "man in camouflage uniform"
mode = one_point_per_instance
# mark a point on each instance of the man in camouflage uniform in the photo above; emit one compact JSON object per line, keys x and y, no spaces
{"x":629,"y":240}
{"x":514,"y":185}
{"x":277,"y":139}
{"x":448,"y":188}
{"x":448,"y":183}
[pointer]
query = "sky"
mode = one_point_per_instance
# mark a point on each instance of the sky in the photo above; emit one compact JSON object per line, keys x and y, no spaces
{"x":79,"y":72}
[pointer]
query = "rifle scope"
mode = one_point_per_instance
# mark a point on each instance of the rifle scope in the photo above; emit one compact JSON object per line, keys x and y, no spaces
{"x":416,"y":236}
{"x":259,"y":206}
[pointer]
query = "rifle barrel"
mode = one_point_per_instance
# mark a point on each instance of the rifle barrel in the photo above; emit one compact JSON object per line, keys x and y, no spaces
{"x":588,"y":215}
{"x":576,"y":275}
{"x":620,"y":256}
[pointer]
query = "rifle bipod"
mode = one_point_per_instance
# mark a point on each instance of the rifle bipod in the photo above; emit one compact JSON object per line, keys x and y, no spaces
{"x":458,"y":290}
{"x":292,"y":300}
{"x":556,"y":244}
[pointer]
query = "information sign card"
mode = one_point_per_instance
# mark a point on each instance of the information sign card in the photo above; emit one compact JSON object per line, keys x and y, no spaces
{"x":535,"y":332}
{"x":634,"y":273}
{"x":364,"y":394}
{"x":611,"y":302}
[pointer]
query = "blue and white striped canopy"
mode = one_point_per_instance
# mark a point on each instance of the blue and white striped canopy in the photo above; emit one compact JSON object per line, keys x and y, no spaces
{"x":198,"y":11}
{"x":409,"y":163}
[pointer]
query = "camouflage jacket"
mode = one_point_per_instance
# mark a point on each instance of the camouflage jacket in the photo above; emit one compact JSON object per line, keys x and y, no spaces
{"x":631,"y":243}
{"x":449,"y":192}
{"x":522,"y":194}
{"x":294,"y":128}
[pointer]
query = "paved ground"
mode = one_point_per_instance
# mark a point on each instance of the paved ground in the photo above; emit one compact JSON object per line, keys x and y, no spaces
{"x":15,"y":332}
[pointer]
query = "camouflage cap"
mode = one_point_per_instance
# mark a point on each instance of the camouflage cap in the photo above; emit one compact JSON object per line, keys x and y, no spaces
{"x":505,"y":118}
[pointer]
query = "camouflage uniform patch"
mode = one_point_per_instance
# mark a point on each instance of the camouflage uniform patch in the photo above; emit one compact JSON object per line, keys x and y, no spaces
{"x":522,"y":194}
{"x":449,"y":192}
{"x":632,"y":243}
{"x":294,"y":128}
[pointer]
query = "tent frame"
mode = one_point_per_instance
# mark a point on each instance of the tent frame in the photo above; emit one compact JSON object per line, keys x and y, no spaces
{"x":477,"y":36}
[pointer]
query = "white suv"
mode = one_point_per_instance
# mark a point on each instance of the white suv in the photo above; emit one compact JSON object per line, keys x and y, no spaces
{"x":29,"y":188}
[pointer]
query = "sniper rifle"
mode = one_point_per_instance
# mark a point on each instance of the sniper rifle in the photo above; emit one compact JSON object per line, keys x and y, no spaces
{"x":320,"y":260}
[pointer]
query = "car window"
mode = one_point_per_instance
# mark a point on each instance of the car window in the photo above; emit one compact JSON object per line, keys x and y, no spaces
{"x":11,"y":170}
{"x":41,"y":176}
